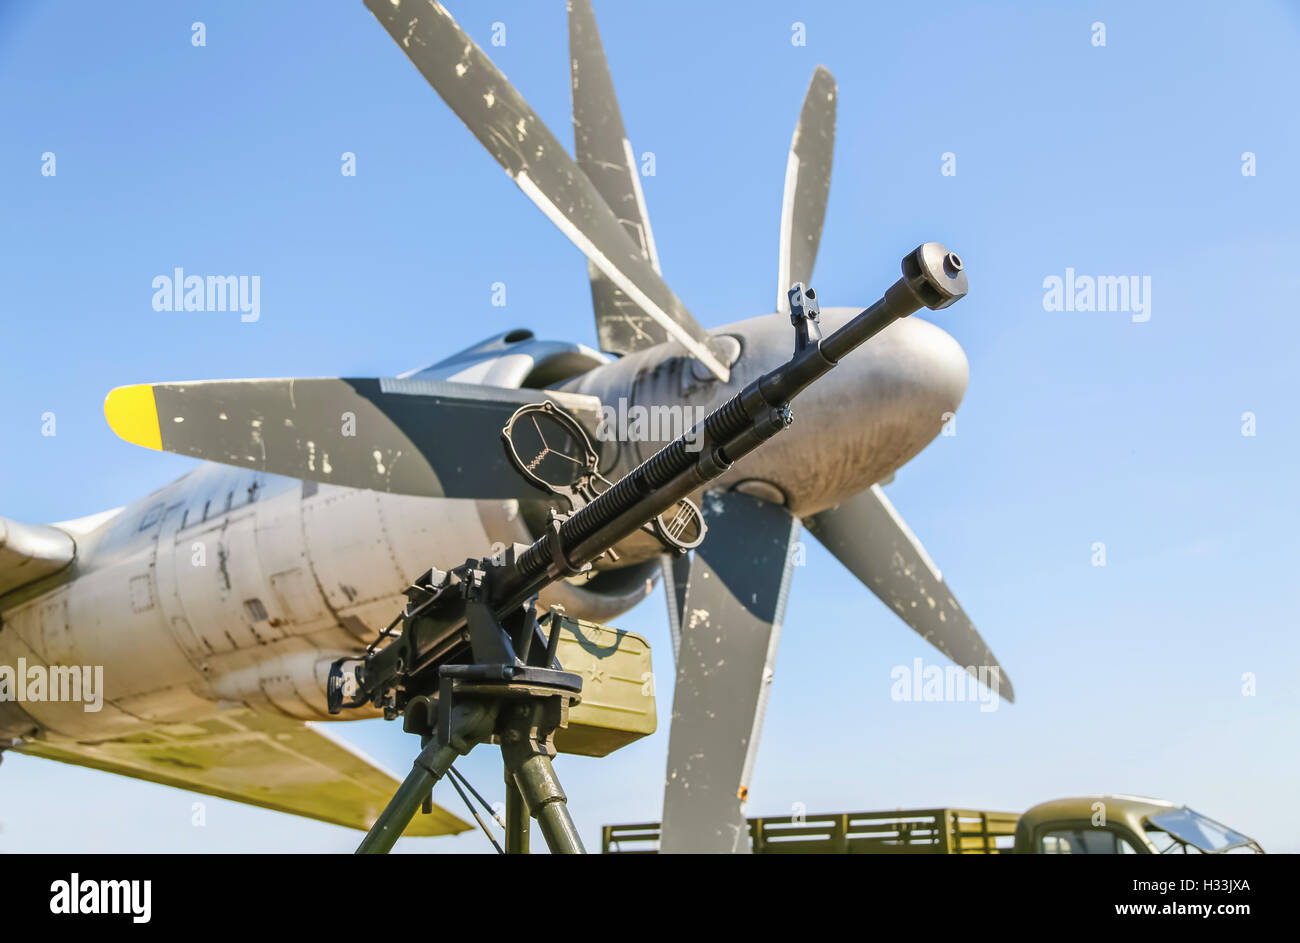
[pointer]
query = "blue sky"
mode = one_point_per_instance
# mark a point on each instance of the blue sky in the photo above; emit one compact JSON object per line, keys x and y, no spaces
{"x":1077,"y":427}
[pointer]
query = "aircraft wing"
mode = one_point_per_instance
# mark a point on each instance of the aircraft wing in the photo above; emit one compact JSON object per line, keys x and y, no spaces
{"x":272,"y":762}
{"x":29,"y":552}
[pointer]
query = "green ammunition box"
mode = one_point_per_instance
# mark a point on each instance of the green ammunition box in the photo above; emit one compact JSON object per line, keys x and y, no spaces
{"x":618,"y":695}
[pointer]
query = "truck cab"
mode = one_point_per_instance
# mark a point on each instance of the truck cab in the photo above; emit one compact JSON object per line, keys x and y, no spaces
{"x":1124,"y":825}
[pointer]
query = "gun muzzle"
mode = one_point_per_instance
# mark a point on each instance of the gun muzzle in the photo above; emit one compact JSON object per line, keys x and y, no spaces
{"x":932,"y":278}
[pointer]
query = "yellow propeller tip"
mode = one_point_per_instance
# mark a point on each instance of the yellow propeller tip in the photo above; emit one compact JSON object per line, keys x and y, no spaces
{"x":132,"y":413}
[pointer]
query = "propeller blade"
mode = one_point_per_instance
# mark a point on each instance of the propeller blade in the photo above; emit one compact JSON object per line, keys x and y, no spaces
{"x":869,"y":537}
{"x":406,"y":436}
{"x":605,"y":156}
{"x":512,"y":132}
{"x":735,"y":601}
{"x":807,"y":186}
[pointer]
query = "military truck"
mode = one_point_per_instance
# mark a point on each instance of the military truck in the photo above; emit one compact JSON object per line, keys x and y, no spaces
{"x":1081,"y":825}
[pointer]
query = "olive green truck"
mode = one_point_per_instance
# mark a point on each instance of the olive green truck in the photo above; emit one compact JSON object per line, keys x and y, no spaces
{"x":1083,"y":825}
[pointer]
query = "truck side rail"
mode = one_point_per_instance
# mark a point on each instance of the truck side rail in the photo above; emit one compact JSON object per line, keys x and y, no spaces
{"x":915,"y":831}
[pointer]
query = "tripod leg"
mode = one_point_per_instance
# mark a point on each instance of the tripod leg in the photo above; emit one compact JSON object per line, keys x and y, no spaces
{"x":432,"y":765}
{"x":527,"y":748}
{"x":534,"y":777}
{"x":471,"y":724}
{"x":518,"y":824}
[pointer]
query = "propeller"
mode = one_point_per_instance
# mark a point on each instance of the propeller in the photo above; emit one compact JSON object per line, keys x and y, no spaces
{"x":726,"y":604}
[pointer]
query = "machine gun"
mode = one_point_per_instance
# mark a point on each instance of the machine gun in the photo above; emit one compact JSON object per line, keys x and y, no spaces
{"x":472,"y":664}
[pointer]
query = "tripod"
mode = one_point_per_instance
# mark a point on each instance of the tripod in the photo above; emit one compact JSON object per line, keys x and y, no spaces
{"x":517,"y":706}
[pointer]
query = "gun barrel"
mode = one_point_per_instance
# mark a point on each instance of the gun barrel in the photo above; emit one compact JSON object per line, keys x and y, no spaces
{"x":932,"y":277}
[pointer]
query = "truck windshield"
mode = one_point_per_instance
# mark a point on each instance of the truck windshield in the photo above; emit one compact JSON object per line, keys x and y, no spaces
{"x":1188,"y":832}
